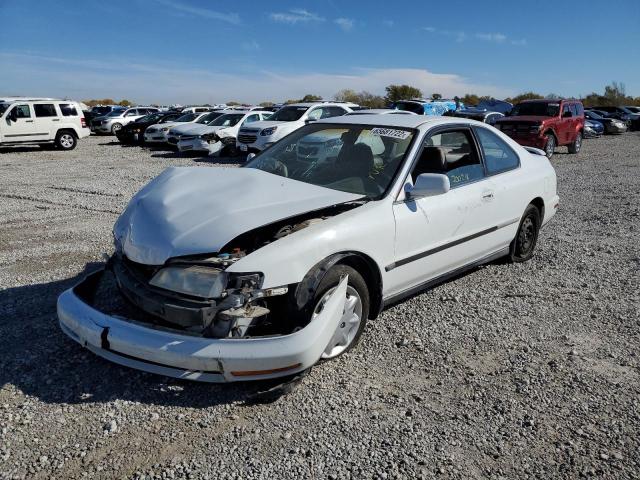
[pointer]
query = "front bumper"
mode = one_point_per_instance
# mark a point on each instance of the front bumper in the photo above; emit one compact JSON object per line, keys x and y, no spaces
{"x":191,"y":357}
{"x":257,"y":146}
{"x":199,"y":145}
{"x":155,"y":137}
{"x":528,"y":140}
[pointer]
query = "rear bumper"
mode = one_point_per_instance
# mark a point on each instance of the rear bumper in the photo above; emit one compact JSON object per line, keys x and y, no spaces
{"x":144,"y":347}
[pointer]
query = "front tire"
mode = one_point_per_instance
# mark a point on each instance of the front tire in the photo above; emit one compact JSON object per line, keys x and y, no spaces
{"x":577,"y":144}
{"x":356,"y":312}
{"x":523,"y":246}
{"x":550,"y":145}
{"x":115,"y":127}
{"x":66,"y":141}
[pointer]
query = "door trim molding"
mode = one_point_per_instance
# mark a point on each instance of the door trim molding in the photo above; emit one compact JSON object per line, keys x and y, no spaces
{"x":431,"y":251}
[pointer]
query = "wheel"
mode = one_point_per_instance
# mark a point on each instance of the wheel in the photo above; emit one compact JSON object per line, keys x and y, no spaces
{"x":550,"y":145}
{"x":522,"y":247}
{"x":66,"y":141}
{"x":577,"y":144}
{"x":115,"y":127}
{"x":356,"y":311}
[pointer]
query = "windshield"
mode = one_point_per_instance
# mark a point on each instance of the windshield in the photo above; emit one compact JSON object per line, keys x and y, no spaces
{"x":593,"y":115}
{"x":205,"y":119}
{"x":187,"y":117}
{"x":115,"y":113}
{"x":540,"y":109}
{"x":633,"y":109}
{"x":288,"y":114}
{"x":101,"y":110}
{"x":227,"y":120}
{"x":351,"y":158}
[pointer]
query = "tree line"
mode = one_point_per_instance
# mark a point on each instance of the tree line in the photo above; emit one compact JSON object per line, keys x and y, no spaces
{"x":614,"y":94}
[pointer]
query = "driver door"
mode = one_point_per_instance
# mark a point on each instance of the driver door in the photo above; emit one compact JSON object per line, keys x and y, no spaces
{"x":22,"y":129}
{"x":439,"y":234}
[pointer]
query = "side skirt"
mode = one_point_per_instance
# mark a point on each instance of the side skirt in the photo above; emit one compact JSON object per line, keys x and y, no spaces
{"x":442,"y":278}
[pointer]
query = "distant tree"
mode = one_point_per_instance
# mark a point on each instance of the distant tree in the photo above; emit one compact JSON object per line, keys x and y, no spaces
{"x":125,"y":103}
{"x":291,"y":100}
{"x":103,"y":101}
{"x":436,"y":96}
{"x":470,"y":99}
{"x":266,"y":104}
{"x":233,"y":103}
{"x":311,"y":98}
{"x":552,"y":96}
{"x":401,"y":92}
{"x":524,"y":96}
{"x":363,"y":98}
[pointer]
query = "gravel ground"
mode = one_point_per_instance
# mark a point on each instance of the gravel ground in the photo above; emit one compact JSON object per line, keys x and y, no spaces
{"x":510,"y":371}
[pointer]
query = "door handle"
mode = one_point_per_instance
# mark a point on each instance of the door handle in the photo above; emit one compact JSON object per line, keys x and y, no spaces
{"x":28,"y":121}
{"x":487,"y":195}
{"x":56,"y":120}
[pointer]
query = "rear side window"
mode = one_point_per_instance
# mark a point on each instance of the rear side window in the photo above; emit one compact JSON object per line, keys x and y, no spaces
{"x":68,"y":110}
{"x":498,"y":156}
{"x":579,"y":109}
{"x":45,"y":110}
{"x":574,"y":109}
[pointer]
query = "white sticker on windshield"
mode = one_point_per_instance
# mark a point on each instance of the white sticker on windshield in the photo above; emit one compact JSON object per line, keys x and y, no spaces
{"x":390,"y":132}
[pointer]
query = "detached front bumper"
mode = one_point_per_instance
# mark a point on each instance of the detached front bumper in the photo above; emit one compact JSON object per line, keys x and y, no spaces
{"x":155,"y":137}
{"x":199,"y":145}
{"x":191,"y":357}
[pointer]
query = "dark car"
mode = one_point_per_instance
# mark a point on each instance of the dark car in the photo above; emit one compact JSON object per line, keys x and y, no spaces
{"x":487,"y":111}
{"x":611,"y":125}
{"x":546,"y":124}
{"x":132,"y":133}
{"x":592,"y":128}
{"x":631,"y":118}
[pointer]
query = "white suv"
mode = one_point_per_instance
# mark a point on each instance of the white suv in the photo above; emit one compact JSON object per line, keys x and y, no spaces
{"x":117,"y":119}
{"x":289,"y":118}
{"x":42,"y":122}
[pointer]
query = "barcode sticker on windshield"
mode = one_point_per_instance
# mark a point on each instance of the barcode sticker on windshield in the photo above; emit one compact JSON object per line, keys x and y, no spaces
{"x":390,"y":132}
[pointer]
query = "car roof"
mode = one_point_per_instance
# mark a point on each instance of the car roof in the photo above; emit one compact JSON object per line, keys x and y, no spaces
{"x":381,"y":111}
{"x":406,"y":121}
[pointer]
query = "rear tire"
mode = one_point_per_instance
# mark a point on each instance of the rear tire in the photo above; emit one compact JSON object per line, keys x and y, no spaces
{"x":522,"y":247}
{"x":66,"y":140}
{"x":577,"y":144}
{"x":550,"y":145}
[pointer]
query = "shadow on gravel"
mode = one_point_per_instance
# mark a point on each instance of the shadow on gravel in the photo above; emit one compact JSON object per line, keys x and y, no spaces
{"x":25,"y":148}
{"x":39,"y":360}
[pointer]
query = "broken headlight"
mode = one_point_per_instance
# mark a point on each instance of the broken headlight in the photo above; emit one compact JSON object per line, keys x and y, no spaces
{"x":268,"y":131}
{"x":196,"y":280}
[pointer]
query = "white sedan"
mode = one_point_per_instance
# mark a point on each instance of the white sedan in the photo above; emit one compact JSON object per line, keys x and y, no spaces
{"x":159,"y":133}
{"x":222,"y":132}
{"x":227,"y":274}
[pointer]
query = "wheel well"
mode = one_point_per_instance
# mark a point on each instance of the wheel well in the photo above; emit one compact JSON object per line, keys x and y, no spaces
{"x":68,"y":130}
{"x":550,"y":131}
{"x":539,"y":204}
{"x":369,"y":270}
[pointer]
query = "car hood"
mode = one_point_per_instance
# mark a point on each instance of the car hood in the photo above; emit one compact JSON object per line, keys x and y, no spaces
{"x":202,"y":129}
{"x":182,"y":128}
{"x":268,"y":123}
{"x":196,"y":210}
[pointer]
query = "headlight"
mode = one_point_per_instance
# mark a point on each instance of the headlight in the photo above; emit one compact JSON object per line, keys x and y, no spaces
{"x":165,"y":129}
{"x":196,"y":280}
{"x":268,"y":131}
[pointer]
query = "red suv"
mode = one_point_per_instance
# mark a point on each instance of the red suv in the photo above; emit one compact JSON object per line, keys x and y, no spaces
{"x":545,"y":124}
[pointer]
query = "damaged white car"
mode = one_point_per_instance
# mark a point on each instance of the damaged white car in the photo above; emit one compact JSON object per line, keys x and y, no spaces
{"x":227,"y":274}
{"x":219,"y":136}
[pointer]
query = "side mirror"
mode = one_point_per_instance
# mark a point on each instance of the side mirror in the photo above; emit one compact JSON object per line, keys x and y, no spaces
{"x":310,"y":120}
{"x":250,"y":156}
{"x":430,"y":185}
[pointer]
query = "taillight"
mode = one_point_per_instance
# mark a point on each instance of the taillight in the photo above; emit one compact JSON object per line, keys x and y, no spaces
{"x":83,"y":122}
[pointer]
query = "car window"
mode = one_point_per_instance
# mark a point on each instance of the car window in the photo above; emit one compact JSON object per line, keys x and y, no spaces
{"x":566,"y":110}
{"x":315,"y":114}
{"x":252,"y":118}
{"x":45,"y":110}
{"x":498,"y":156}
{"x":266,"y":116}
{"x":574,"y":109}
{"x":332,"y":112}
{"x":68,"y":110}
{"x":579,"y":109}
{"x":131,"y":113}
{"x":22,"y":111}
{"x":452,"y":153}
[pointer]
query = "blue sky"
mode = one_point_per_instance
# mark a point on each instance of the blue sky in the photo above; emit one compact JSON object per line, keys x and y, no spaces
{"x":196,"y":51}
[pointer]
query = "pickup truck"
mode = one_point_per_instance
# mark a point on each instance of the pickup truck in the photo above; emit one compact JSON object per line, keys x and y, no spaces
{"x":546,"y":124}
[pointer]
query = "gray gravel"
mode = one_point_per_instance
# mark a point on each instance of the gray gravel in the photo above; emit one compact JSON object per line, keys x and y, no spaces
{"x":511,"y":371}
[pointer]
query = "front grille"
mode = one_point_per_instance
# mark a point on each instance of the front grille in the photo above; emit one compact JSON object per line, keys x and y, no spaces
{"x":172,"y":140}
{"x":187,"y":137}
{"x":247,"y":138}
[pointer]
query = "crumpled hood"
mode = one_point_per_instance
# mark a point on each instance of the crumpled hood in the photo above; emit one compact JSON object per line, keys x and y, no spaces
{"x":282,"y":126}
{"x":195,"y":210}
